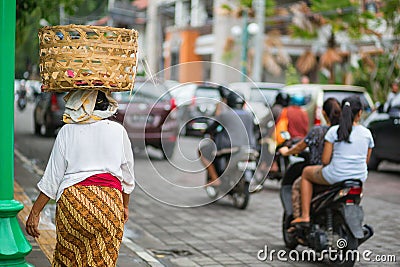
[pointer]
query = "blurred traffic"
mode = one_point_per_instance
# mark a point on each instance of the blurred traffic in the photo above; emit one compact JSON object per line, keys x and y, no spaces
{"x":156,"y":113}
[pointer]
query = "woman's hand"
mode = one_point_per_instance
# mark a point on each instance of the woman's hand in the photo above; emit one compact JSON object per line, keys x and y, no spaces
{"x":284,"y":150}
{"x":125,"y":202}
{"x":32,"y":224}
{"x":126,"y":214}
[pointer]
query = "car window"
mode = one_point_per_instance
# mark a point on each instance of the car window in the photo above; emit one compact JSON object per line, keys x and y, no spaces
{"x":307,"y":96}
{"x":262,"y":95}
{"x":340,"y":95}
{"x":144,"y":92}
{"x":207,"y":93}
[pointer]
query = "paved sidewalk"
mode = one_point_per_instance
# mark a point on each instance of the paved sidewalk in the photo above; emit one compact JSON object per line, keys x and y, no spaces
{"x":26,"y":176}
{"x":216,"y":234}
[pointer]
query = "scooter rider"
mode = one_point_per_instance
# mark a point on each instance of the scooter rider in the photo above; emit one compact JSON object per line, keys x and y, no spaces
{"x":315,"y":142}
{"x":347,"y":150}
{"x":233,"y":127}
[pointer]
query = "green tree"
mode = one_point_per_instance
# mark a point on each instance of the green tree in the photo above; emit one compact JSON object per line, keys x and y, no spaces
{"x":28,"y":16}
{"x":349,"y":18}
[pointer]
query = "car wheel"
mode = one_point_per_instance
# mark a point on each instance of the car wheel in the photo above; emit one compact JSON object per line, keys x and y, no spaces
{"x":183,"y":130}
{"x":37,"y":126}
{"x":373,"y":162}
{"x":47,"y":129}
{"x":37,"y":129}
{"x":168,"y":150}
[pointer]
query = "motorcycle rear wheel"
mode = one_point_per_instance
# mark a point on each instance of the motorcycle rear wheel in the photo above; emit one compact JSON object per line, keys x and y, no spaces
{"x":288,"y":238}
{"x":351,"y":244}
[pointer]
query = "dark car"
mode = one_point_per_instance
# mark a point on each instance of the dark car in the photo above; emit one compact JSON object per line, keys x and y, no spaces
{"x":197,"y":113}
{"x":149,"y":115}
{"x":385,"y":129}
{"x":48,"y":113}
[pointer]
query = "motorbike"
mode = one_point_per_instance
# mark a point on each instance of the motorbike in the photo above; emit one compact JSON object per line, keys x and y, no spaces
{"x":22,"y":99}
{"x":336,"y":219}
{"x":284,"y":163}
{"x":235,"y":167}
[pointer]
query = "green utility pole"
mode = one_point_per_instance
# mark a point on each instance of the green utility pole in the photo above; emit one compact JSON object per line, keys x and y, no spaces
{"x":13,"y":244}
{"x":245,"y":41}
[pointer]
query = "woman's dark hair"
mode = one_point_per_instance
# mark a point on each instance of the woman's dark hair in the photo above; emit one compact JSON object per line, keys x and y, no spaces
{"x":350,"y":107}
{"x":332,"y":109}
{"x":101,"y":101}
{"x":282,"y":99}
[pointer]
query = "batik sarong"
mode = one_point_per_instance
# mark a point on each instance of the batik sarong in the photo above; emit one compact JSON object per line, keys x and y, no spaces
{"x":89,"y":226}
{"x":296,"y":198}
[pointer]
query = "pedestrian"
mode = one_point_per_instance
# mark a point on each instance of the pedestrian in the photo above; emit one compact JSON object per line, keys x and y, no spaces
{"x":90,"y":175}
{"x":347,"y":150}
{"x":304,"y":79}
{"x":393,"y":98}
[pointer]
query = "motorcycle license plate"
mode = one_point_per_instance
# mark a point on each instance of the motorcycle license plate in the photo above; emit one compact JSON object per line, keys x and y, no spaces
{"x":247,"y":165}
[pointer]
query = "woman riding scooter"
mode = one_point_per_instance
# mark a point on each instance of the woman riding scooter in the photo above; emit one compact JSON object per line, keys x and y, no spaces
{"x":315,"y":141}
{"x":347,"y":150}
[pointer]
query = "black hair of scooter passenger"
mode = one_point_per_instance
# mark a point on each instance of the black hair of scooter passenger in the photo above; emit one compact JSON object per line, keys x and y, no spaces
{"x":350,"y":107}
{"x":333,"y":110}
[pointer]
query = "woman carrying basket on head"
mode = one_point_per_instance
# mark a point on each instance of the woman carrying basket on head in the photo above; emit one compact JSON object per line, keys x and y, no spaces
{"x":90,"y":175}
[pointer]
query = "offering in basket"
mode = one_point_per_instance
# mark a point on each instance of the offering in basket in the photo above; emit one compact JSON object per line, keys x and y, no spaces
{"x":74,"y":57}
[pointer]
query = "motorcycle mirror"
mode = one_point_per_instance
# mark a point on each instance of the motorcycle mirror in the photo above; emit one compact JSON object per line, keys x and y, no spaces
{"x":285,"y":135}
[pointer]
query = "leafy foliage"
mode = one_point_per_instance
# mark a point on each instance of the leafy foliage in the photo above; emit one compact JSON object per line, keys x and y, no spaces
{"x":291,"y":75}
{"x":28,"y":15}
{"x":47,"y":9}
{"x":378,"y":80}
{"x":391,"y":11}
{"x":269,"y":6}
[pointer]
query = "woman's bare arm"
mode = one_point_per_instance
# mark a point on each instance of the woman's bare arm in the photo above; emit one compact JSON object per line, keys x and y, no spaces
{"x":327,"y":153}
{"x":296,"y":149}
{"x":369,"y":154}
{"x":125,"y":201}
{"x":32,"y":222}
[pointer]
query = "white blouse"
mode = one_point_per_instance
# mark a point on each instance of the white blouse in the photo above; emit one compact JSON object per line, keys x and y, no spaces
{"x":83,"y":150}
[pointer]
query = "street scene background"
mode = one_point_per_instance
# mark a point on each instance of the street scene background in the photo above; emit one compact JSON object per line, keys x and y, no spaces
{"x":279,"y":46}
{"x":216,"y":234}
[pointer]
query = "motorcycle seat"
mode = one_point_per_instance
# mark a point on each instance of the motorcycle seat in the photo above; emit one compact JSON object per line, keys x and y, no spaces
{"x":342,"y":184}
{"x":226,"y":151}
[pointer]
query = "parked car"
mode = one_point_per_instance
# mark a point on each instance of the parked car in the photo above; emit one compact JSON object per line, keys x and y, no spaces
{"x":385,"y":129}
{"x":316,"y":94}
{"x":48,"y":113}
{"x":197,"y":112}
{"x":150,"y":116}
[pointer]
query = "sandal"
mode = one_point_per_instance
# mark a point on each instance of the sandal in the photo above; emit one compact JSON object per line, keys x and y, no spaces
{"x":215,"y":183}
{"x":300,"y":222}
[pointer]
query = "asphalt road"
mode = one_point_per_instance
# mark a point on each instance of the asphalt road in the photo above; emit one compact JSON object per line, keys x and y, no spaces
{"x":216,"y":234}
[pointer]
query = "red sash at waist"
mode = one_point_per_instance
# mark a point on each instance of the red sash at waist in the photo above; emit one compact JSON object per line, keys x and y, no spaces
{"x":102,"y":179}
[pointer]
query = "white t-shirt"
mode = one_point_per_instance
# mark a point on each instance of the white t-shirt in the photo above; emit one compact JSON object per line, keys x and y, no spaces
{"x":349,"y":160}
{"x":83,"y":150}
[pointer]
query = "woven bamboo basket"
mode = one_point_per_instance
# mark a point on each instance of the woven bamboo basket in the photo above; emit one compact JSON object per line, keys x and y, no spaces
{"x":74,"y":57}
